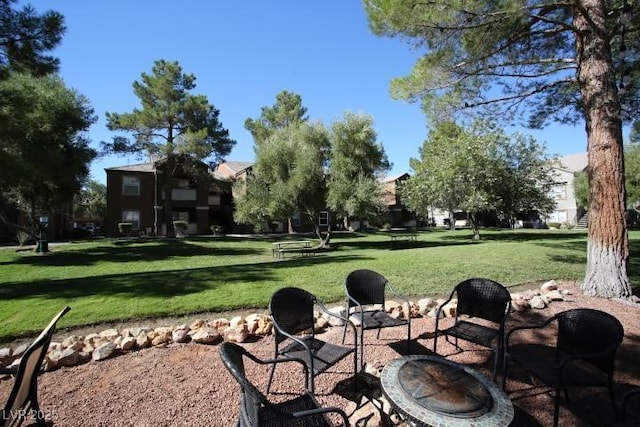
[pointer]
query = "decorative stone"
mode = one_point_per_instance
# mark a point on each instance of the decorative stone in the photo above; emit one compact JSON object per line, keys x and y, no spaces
{"x":180,"y":334}
{"x":338,"y":311}
{"x":143,"y":341}
{"x":109,"y":334}
{"x":551,"y":285}
{"x":554,"y":295}
{"x":6,"y":356}
{"x":537,"y":302}
{"x":322,"y":323}
{"x":67,"y":357}
{"x":265,"y":326}
{"x":128,"y":343}
{"x":73,"y":341}
{"x":450,"y":309}
{"x":219,"y":324}
{"x":104,"y":351}
{"x":425,"y":304}
{"x":238,"y":334}
{"x":198,"y":323}
{"x":236,"y":321}
{"x":91,"y":338}
{"x":205,"y":335}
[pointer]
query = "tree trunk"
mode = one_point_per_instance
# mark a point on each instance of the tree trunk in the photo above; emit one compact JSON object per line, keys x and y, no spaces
{"x":474,"y":226}
{"x":452,"y":220}
{"x":608,"y":242}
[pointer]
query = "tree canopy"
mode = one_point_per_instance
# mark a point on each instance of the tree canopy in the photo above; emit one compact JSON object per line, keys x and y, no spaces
{"x":26,"y":38}
{"x":304,"y":168}
{"x":539,"y":62}
{"x":177,"y":129}
{"x":91,"y":202}
{"x":46,"y":154}
{"x":356,"y":161}
{"x":478,"y":170}
{"x":286,"y":111}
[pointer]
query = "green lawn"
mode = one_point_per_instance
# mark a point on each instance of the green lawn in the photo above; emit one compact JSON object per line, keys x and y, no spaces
{"x":117,"y":280}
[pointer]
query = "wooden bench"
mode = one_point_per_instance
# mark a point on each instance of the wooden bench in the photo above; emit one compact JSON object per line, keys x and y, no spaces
{"x":409,"y":237}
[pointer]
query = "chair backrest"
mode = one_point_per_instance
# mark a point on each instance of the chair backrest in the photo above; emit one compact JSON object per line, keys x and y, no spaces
{"x":365,"y":286}
{"x":232,"y":356}
{"x":291,"y":310}
{"x":585,"y":330}
{"x":25,"y":384}
{"x":483,"y":298}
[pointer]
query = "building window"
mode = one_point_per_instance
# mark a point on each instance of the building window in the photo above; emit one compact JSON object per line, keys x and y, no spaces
{"x":324,"y":218}
{"x":133,"y":217}
{"x":295,"y":219}
{"x":559,"y":191}
{"x":131,"y":185}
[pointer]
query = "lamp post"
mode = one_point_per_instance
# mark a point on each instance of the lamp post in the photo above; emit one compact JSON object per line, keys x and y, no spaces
{"x":43,"y":244}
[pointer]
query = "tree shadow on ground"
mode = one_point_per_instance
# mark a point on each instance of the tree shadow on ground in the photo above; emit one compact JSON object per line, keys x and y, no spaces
{"x":132,"y":251}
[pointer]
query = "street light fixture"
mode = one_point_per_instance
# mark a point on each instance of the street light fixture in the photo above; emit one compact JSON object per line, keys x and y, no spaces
{"x":43,"y":244}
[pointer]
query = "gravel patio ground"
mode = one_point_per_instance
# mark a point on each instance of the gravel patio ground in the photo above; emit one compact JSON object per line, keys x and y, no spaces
{"x":187,"y":385}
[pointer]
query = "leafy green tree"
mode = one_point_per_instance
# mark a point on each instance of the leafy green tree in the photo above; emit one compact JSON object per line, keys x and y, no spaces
{"x":548,"y":60}
{"x":25,"y":39}
{"x":288,"y":177}
{"x":634,"y":136}
{"x":45,"y":154}
{"x":581,"y":188}
{"x":91,"y":202}
{"x":176,"y":128}
{"x":476,"y":170}
{"x":286,"y":111}
{"x":356,"y":161}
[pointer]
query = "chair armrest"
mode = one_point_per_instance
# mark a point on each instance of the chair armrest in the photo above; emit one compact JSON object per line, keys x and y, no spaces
{"x":440,"y":307}
{"x":344,"y":319}
{"x":325,"y":410}
{"x":396,"y":294}
{"x":305,"y":368}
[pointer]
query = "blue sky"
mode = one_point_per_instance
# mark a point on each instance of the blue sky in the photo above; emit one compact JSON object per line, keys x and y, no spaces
{"x":243,"y":53}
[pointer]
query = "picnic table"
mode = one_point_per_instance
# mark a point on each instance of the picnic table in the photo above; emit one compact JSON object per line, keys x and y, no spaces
{"x":403,"y":235}
{"x":304,"y":247}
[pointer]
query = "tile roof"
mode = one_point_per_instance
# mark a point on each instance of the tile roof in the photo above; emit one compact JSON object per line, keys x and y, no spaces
{"x":140,"y":167}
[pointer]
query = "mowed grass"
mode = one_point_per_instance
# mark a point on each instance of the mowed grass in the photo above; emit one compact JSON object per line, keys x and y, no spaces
{"x":113,"y":280}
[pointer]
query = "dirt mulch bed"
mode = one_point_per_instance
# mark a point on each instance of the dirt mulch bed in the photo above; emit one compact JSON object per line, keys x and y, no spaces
{"x":187,"y":385}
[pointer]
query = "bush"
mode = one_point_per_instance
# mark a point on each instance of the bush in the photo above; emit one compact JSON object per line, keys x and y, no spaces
{"x":217,"y":230}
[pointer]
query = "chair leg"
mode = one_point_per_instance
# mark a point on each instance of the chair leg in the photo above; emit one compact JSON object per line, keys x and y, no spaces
{"x":408,"y":338}
{"x":344,"y":333}
{"x":361,"y":348}
{"x":273,"y":368}
{"x":556,"y":408}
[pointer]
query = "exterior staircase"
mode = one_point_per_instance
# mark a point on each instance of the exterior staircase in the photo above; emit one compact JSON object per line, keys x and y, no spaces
{"x":583,"y":222}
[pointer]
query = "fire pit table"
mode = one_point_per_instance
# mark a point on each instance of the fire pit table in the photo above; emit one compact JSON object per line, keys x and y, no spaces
{"x":433,"y":391}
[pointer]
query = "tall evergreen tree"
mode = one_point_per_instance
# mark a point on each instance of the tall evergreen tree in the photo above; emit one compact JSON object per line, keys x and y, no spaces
{"x":286,"y":111}
{"x":546,"y":60}
{"x":177,"y":129}
{"x":26,"y":37}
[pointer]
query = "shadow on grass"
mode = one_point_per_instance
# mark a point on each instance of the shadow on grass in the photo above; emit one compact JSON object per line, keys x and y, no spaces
{"x":133,"y":251}
{"x":160,"y":283}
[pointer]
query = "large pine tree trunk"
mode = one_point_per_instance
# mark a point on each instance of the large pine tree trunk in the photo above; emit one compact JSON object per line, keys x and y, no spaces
{"x":608,"y":243}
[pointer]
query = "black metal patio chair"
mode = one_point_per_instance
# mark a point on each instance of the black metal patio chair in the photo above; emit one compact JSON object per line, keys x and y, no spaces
{"x":256,"y":410}
{"x":478,"y":298}
{"x":582,"y":352}
{"x":23,"y":398}
{"x":292,"y":312}
{"x":366,"y":292}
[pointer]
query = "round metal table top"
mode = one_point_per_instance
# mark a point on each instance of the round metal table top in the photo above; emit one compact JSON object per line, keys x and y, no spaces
{"x":431,"y":390}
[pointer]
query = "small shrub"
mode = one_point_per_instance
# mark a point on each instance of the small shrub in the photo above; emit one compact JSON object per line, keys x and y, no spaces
{"x":217,"y":230}
{"x":125,"y":228}
{"x":555,"y":225}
